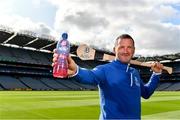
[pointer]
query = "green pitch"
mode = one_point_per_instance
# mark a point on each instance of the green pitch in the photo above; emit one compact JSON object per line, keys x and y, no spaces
{"x":78,"y":105}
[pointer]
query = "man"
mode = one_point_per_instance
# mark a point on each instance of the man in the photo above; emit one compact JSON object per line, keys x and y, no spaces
{"x":120,"y":86}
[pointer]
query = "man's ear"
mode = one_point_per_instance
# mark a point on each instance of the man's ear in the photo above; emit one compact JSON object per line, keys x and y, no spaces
{"x":134,"y":51}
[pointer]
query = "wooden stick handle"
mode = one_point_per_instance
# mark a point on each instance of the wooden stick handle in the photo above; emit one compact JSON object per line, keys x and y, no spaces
{"x":145,"y":64}
{"x":87,"y":53}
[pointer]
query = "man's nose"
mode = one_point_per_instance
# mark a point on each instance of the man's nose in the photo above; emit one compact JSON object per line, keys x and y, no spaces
{"x":125,"y":50}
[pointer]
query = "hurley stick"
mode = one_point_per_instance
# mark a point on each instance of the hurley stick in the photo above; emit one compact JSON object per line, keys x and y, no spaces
{"x":85,"y":52}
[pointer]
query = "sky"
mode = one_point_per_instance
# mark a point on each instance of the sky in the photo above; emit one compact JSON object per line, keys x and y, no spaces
{"x":154,"y":24}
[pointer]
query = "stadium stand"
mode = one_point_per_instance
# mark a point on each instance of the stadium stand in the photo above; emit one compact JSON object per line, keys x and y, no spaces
{"x":34,"y":83}
{"x":84,"y":86}
{"x":1,"y":88}
{"x":53,"y":84}
{"x":25,"y":64}
{"x":69,"y":84}
{"x":11,"y":83}
{"x":164,"y":85}
{"x":5,"y":55}
{"x":174,"y":87}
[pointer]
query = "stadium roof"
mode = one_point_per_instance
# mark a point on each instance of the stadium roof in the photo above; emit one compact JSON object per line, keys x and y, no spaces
{"x":28,"y":39}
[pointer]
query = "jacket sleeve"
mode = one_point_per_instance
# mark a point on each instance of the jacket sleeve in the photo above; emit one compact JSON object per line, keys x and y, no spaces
{"x":94,"y":76}
{"x":148,"y":89}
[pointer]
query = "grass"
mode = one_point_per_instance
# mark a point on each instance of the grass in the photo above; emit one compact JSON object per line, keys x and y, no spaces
{"x":162,"y":105}
{"x":78,"y":105}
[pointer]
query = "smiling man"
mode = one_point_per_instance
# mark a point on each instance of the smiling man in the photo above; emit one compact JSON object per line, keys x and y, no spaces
{"x":120,"y":86}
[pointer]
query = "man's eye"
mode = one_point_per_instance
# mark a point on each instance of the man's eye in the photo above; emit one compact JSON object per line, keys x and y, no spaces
{"x":130,"y":47}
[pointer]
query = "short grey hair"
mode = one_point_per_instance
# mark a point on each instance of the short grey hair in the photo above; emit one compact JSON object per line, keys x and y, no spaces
{"x":124,"y":36}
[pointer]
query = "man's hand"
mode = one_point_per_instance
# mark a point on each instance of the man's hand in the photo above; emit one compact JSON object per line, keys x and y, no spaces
{"x":157,"y":67}
{"x":72,"y":67}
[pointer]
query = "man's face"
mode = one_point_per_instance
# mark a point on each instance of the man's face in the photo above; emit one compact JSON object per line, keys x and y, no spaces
{"x":124,"y":50}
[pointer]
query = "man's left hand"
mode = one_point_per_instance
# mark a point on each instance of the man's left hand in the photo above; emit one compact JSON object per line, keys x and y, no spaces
{"x":157,"y":67}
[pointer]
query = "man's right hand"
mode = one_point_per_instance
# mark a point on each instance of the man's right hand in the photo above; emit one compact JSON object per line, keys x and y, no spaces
{"x":72,"y":66}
